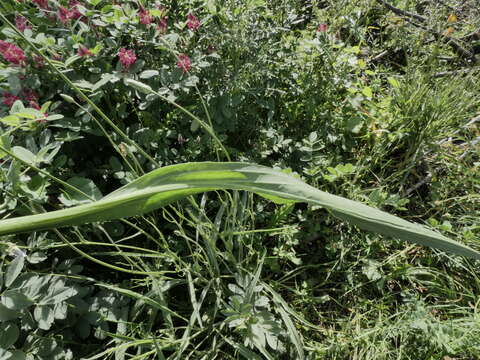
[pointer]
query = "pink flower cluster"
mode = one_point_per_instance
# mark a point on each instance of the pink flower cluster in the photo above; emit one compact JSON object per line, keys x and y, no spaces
{"x":127,"y":58}
{"x":322,"y":28}
{"x":21,"y":23}
{"x":75,"y":12}
{"x":65,"y":15}
{"x":32,"y":98}
{"x":84,"y":51}
{"x":192,"y":22}
{"x":42,"y":4}
{"x":183,"y":62}
{"x":9,"y":99}
{"x":12,"y":53}
{"x":162,"y":25}
{"x":145,"y":17}
{"x":28,"y":95}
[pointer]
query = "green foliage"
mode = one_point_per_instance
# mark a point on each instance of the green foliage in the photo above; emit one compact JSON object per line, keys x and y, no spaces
{"x":355,"y":99}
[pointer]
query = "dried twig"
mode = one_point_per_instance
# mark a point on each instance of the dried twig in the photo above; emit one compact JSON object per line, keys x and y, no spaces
{"x":454,"y":72}
{"x":471,"y":143}
{"x":459,"y":49}
{"x":380,"y":56}
{"x":474,"y":35}
{"x":402,"y":12}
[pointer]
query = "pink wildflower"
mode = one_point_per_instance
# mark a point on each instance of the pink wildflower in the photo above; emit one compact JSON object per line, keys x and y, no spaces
{"x":127,"y":58}
{"x":75,"y":12}
{"x":21,"y":23}
{"x":12,"y":53}
{"x":63,"y":15}
{"x":9,"y":99}
{"x":38,"y":61}
{"x":42,"y":4}
{"x":322,"y":28}
{"x":145,"y":17}
{"x":183,"y":62}
{"x":162,"y":25}
{"x":192,"y":22}
{"x":83,"y":51}
{"x":4,"y":45}
{"x":29,"y":94}
{"x":34,"y":105}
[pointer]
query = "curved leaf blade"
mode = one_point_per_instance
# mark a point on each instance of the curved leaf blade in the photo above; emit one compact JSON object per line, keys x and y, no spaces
{"x":168,"y":184}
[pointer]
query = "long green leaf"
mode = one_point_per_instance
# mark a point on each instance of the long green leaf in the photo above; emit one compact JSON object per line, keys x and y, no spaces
{"x":165,"y":185}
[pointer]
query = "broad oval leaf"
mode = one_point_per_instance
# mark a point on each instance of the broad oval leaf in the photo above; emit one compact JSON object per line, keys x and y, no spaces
{"x":8,"y":335}
{"x":165,"y":185}
{"x":15,"y":300}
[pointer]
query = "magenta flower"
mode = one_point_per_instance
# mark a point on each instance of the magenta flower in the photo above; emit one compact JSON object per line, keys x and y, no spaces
{"x":183,"y":62}
{"x":162,"y":25}
{"x":29,"y":94}
{"x":12,"y":53}
{"x":63,"y":15}
{"x":42,"y":4}
{"x":34,"y":105}
{"x":127,"y":58}
{"x":38,"y":61}
{"x":9,"y":99}
{"x":192,"y":22}
{"x":74,"y":12}
{"x":83,"y":51}
{"x":21,"y":23}
{"x":145,"y":17}
{"x":322,"y":28}
{"x":4,"y":45}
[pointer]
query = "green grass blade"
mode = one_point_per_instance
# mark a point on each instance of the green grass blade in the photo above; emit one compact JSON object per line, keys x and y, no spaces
{"x":165,"y":185}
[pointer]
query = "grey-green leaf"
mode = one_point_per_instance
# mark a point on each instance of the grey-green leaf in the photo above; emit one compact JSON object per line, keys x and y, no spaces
{"x":14,"y":269}
{"x":87,"y":186}
{"x":44,"y":315}
{"x":24,"y":154}
{"x":15,"y":300}
{"x":7,"y":314}
{"x":8,"y":335}
{"x":165,"y":185}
